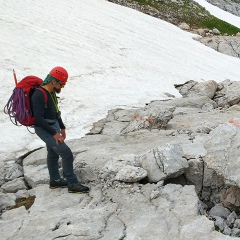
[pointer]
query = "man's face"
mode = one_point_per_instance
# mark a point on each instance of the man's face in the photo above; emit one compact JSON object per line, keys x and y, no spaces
{"x":59,"y":86}
{"x":57,"y":89}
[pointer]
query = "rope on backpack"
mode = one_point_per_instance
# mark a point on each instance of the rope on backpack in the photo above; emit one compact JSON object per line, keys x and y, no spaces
{"x":16,"y":107}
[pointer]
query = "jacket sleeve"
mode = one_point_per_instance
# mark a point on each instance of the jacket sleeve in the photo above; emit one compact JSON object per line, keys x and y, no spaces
{"x":61,"y":124}
{"x":38,"y":106}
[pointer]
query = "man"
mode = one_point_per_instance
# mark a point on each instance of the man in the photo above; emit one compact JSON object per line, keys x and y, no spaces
{"x":50,"y":128}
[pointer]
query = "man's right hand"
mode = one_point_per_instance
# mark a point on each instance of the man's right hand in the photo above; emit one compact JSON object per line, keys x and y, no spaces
{"x":59,"y":138}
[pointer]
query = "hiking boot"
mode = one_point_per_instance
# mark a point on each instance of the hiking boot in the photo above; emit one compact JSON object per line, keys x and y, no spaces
{"x":78,"y":188}
{"x":60,"y":183}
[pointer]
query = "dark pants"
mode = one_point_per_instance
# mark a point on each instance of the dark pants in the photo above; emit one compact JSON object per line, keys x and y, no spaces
{"x":54,"y":151}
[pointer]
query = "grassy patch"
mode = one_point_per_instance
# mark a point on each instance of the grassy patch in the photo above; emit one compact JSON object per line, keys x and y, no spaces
{"x":222,"y":26}
{"x":27,"y":202}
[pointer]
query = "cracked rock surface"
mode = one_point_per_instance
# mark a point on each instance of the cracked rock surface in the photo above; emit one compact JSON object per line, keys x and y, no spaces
{"x":173,"y":177}
{"x":229,"y":45}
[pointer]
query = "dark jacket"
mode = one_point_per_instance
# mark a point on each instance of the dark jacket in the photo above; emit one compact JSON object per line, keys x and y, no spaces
{"x":45,"y":114}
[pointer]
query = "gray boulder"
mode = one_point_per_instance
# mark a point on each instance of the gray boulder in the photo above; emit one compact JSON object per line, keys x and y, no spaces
{"x":219,"y":211}
{"x":192,"y":89}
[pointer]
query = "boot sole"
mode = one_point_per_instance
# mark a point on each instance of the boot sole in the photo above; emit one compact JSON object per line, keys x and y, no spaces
{"x":77,"y":192}
{"x":53,"y":187}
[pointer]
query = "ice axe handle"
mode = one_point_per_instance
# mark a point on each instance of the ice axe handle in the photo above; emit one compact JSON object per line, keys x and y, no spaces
{"x":15,"y":77}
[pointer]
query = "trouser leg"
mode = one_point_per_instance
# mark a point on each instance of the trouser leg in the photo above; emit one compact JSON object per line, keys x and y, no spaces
{"x":52,"y":163}
{"x":67,"y":163}
{"x":62,"y":150}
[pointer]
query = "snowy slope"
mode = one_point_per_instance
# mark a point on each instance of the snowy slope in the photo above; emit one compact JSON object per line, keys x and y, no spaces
{"x":115,"y":57}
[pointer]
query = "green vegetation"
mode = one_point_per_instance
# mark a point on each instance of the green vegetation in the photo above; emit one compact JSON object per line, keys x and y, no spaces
{"x":184,"y":11}
{"x":222,"y":26}
{"x":217,"y":228}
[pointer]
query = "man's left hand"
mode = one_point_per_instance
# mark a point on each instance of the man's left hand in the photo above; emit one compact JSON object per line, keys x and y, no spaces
{"x":63,"y":133}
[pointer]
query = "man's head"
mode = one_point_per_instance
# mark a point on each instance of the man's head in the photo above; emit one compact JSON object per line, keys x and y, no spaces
{"x":58,"y":77}
{"x":59,"y":73}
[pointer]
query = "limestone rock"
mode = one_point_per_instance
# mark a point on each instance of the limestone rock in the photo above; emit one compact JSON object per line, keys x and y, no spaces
{"x":146,"y":183}
{"x":219,"y":211}
{"x":202,"y":32}
{"x":216,"y":31}
{"x":163,"y":163}
{"x":14,"y":185}
{"x":125,"y":168}
{"x":231,"y":198}
{"x":189,"y":231}
{"x":235,"y":232}
{"x":14,"y":213}
{"x":152,"y":117}
{"x":131,"y":174}
{"x":195,"y":173}
{"x":191,"y":89}
{"x":9,"y":171}
{"x":227,"y":95}
{"x":78,"y":218}
{"x":221,"y":142}
{"x":231,"y":218}
{"x":36,"y":174}
{"x":184,"y":26}
{"x":219,"y":223}
{"x":6,"y":200}
{"x":237,"y":224}
{"x":223,"y":94}
{"x":223,"y":44}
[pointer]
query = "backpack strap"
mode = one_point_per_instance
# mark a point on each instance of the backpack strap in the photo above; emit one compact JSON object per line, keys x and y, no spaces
{"x":44,"y":93}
